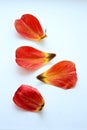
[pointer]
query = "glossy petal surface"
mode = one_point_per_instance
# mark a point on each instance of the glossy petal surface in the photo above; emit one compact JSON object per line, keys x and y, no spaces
{"x":32,"y":58}
{"x":29,"y":27}
{"x":62,"y":74}
{"x":28,"y":98}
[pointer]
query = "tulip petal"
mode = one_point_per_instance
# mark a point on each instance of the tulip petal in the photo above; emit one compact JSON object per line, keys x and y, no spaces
{"x":62,"y":74}
{"x":29,"y":27}
{"x":28,"y":98}
{"x":32,"y":58}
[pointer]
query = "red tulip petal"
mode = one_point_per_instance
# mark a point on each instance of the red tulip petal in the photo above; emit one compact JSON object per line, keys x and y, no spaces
{"x":29,"y":27}
{"x":31,"y":58}
{"x":28,"y":98}
{"x":62,"y":74}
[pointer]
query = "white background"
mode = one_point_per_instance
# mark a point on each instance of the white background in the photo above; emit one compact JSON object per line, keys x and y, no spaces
{"x":66,"y":24}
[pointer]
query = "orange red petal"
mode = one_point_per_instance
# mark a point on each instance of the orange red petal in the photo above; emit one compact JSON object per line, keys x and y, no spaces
{"x":62,"y":74}
{"x":29,"y":27}
{"x":31,"y":58}
{"x":28,"y":98}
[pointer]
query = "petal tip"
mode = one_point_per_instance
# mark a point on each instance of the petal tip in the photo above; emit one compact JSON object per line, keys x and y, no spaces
{"x":40,"y":77}
{"x":51,"y":56}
